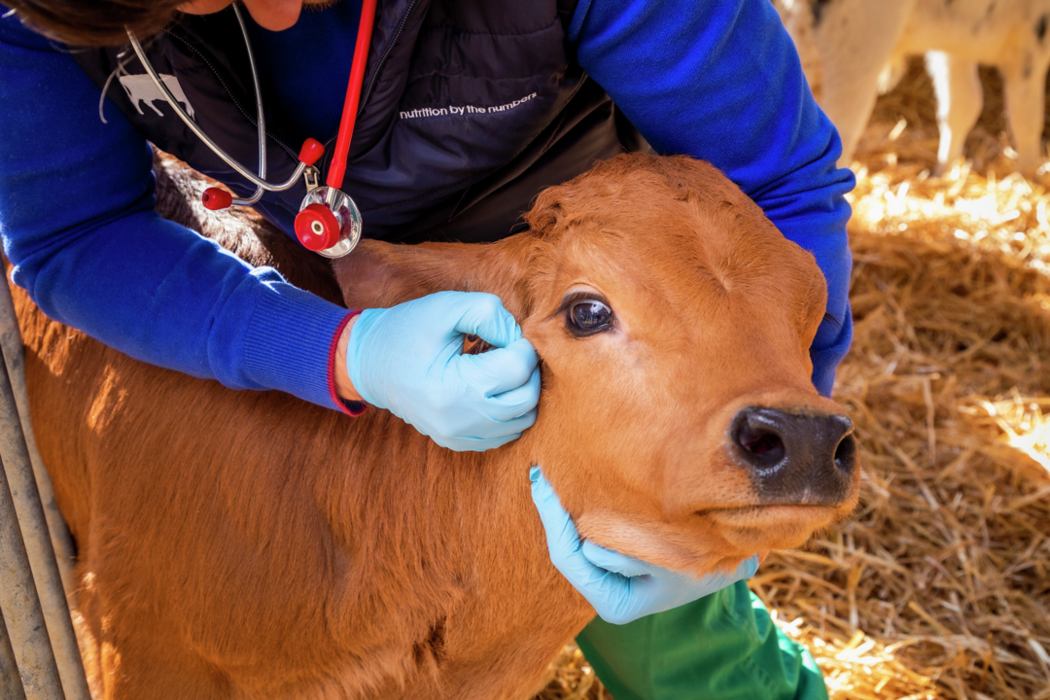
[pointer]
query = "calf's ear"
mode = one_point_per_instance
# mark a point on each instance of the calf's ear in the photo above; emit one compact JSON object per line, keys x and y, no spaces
{"x":378,"y":274}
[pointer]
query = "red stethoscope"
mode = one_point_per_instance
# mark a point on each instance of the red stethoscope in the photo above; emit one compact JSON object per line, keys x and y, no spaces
{"x":328,"y":222}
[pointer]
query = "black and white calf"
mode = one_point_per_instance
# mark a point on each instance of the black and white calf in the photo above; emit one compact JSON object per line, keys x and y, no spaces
{"x":852,"y":50}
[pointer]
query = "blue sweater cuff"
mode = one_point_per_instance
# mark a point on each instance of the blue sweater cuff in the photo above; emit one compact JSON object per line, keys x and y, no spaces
{"x":293,"y":356}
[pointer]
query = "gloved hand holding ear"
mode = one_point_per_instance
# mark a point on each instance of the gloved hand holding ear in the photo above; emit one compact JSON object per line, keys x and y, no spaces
{"x":408,"y":359}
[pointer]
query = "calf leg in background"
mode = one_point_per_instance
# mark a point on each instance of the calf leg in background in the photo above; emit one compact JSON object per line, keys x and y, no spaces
{"x":1023,"y":84}
{"x":855,"y":40}
{"x":957,"y":87}
{"x":722,"y":647}
{"x":892,"y":73}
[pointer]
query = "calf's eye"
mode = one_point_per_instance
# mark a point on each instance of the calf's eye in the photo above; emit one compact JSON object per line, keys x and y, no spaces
{"x":589,"y":316}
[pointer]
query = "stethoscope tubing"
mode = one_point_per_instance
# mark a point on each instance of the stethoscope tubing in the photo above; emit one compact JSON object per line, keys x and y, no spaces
{"x":258,"y":180}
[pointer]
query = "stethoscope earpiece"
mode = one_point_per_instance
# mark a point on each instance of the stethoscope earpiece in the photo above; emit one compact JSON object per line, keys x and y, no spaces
{"x":311,"y":151}
{"x":216,"y":198}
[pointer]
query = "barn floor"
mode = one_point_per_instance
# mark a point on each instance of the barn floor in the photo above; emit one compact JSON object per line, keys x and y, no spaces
{"x":939,"y":585}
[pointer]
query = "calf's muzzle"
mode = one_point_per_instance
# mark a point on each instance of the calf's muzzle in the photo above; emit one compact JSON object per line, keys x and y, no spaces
{"x":795,"y":458}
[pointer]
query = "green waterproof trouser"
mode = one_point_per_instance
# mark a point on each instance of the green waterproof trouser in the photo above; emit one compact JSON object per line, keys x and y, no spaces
{"x":722,"y":647}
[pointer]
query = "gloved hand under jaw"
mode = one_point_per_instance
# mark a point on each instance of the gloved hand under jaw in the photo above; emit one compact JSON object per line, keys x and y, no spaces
{"x":408,"y":359}
{"x":619,"y":587}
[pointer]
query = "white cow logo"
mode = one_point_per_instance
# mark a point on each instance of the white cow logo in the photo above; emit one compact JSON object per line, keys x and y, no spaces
{"x":141,"y":88}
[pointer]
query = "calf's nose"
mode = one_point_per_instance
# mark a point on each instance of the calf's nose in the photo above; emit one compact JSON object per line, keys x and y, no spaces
{"x":795,"y":458}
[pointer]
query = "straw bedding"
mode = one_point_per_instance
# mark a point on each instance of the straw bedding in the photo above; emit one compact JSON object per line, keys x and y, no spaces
{"x":939,"y":585}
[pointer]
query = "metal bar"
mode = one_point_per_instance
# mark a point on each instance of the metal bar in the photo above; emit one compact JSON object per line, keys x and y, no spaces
{"x":21,"y":609}
{"x":14,"y":359}
{"x":10,"y":682}
{"x":34,"y":539}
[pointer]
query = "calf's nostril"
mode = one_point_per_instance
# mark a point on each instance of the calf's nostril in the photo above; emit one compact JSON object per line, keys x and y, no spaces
{"x":763,"y":443}
{"x":763,"y":447}
{"x":846,"y":454}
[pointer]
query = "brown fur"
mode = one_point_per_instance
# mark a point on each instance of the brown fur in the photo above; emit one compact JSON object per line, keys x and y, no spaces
{"x":249,"y":545}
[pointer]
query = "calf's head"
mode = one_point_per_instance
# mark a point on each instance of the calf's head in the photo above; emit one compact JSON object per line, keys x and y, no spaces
{"x":677,"y":421}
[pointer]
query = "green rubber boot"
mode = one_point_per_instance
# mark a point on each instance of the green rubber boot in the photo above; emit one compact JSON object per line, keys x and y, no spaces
{"x":722,"y":647}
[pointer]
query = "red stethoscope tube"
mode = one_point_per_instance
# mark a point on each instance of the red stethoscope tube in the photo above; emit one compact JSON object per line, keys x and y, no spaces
{"x":337,"y":168}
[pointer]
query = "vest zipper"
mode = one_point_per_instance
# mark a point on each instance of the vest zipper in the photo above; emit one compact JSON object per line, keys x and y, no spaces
{"x":326,"y":160}
{"x":385,"y":56}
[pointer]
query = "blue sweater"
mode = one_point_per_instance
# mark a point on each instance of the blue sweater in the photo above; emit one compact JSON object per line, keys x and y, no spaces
{"x":717,"y":80}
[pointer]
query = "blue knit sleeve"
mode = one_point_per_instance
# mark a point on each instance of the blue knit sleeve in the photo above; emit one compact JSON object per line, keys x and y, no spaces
{"x":720,"y":80}
{"x":77,"y":222}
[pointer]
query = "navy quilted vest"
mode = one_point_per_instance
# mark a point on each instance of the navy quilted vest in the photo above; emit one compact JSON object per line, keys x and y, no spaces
{"x":469,"y":108}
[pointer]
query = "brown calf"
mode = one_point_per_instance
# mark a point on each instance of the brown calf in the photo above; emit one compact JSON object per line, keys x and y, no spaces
{"x":249,"y":545}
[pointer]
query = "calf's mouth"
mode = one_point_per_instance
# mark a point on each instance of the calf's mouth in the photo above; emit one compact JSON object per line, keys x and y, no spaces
{"x":766,"y":527}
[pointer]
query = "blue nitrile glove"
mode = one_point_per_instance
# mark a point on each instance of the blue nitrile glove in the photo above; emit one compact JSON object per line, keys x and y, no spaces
{"x":620,"y":588}
{"x":408,"y":359}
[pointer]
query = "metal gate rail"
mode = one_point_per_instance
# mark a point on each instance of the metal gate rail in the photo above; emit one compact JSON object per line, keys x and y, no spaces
{"x":39,"y":657}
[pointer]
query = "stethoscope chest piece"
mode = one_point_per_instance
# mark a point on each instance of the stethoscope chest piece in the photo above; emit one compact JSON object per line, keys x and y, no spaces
{"x":328,"y":222}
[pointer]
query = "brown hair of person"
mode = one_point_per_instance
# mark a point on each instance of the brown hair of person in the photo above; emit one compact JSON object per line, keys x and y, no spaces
{"x":95,"y":22}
